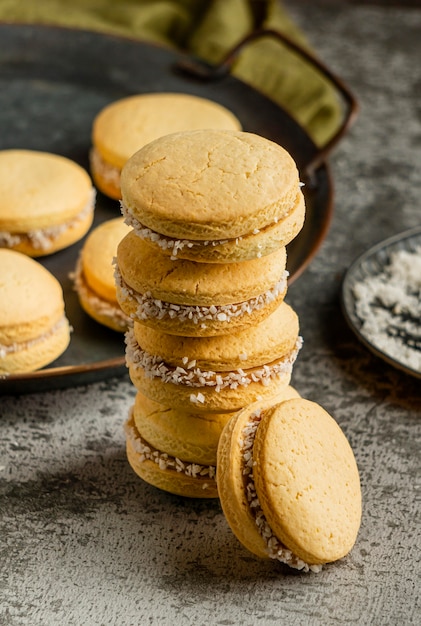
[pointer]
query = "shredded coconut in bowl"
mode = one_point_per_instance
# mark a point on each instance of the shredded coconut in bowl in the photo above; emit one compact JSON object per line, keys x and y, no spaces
{"x":388,"y":304}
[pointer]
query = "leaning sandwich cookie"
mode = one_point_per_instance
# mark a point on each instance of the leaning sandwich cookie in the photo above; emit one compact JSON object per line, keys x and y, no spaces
{"x":46,"y":202}
{"x":237,"y":197}
{"x":34,"y":330}
{"x":126,"y":125}
{"x":94,"y":275}
{"x":196,"y":299}
{"x":289,"y":484}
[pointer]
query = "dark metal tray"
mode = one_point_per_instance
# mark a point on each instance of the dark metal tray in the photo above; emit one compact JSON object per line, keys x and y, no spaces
{"x":53,"y":81}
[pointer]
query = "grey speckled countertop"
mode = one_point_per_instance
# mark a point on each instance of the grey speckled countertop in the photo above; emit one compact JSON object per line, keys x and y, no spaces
{"x":84,"y":542}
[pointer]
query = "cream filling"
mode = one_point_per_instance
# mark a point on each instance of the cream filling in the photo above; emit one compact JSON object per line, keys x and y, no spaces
{"x":164,"y":460}
{"x":175,"y":245}
{"x":149,"y":307}
{"x":193,"y":376}
{"x":25,"y":345}
{"x":100,"y":305}
{"x":275,"y":548}
{"x":42,"y":238}
{"x":109,"y":173}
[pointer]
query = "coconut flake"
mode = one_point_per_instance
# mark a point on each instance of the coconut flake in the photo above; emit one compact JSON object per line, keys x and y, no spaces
{"x":155,"y":367}
{"x":149,"y":307}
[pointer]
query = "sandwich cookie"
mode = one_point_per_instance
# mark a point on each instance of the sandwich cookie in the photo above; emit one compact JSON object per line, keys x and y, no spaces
{"x":289,"y":484}
{"x":94,"y":275}
{"x":184,"y":433}
{"x":237,"y":196}
{"x":46,"y":202}
{"x":260,"y":243}
{"x":174,"y":450}
{"x":34,"y":330}
{"x":126,"y":125}
{"x":215,"y":374}
{"x":196,"y":299}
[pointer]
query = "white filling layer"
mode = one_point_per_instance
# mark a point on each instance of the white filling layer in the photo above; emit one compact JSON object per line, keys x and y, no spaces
{"x":25,"y":345}
{"x":109,"y":173}
{"x":100,"y":305}
{"x":175,"y":245}
{"x":276,"y":549}
{"x":164,"y":460}
{"x":152,"y":308}
{"x":155,"y":367}
{"x":41,"y":239}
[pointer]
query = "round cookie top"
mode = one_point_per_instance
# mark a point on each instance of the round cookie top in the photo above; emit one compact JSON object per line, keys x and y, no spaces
{"x":31,"y":298}
{"x":124,"y":126}
{"x":40,"y":190}
{"x":98,"y":253}
{"x":209,"y":184}
{"x":307,"y":481}
{"x":188,"y":282}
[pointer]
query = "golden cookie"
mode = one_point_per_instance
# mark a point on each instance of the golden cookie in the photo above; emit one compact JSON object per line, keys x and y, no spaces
{"x":289,"y":484}
{"x":233,"y":185}
{"x":165,"y":472}
{"x":33,"y":328}
{"x":46,"y":202}
{"x":261,"y":242}
{"x":215,"y":374}
{"x":124,"y":126}
{"x":196,"y":299}
{"x":94,"y":275}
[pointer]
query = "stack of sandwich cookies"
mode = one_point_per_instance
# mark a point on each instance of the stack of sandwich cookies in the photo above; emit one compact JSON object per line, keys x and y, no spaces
{"x":34,"y":330}
{"x":94,"y":275}
{"x":126,"y":125}
{"x":46,"y":202}
{"x":211,"y":332}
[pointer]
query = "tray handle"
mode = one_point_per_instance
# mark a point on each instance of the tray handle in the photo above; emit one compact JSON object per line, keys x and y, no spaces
{"x":205,"y":71}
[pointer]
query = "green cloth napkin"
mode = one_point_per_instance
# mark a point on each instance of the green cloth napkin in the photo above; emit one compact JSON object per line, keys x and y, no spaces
{"x":208,"y":29}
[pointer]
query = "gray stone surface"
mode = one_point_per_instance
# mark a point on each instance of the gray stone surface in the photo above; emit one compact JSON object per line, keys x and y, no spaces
{"x":83,"y":541}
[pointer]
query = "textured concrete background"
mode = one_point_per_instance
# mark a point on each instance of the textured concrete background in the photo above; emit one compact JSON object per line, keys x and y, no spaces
{"x":84,"y":542}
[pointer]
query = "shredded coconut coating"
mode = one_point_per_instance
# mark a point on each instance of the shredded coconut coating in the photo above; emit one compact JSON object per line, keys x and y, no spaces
{"x":101,"y":306}
{"x":193,"y":376}
{"x":389,"y":307}
{"x":41,"y":239}
{"x":169,"y":243}
{"x":16,"y":347}
{"x":275,"y":548}
{"x":149,"y":307}
{"x":162,"y":459}
{"x":108,"y":172}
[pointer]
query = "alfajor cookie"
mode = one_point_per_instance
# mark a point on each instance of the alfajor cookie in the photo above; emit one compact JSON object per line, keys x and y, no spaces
{"x":215,"y":374}
{"x":126,"y":125}
{"x":94,"y":275}
{"x":34,"y":330}
{"x":289,"y":484}
{"x":46,"y":202}
{"x":175,"y":450}
{"x":237,"y":196}
{"x":183,"y":433}
{"x":196,"y":299}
